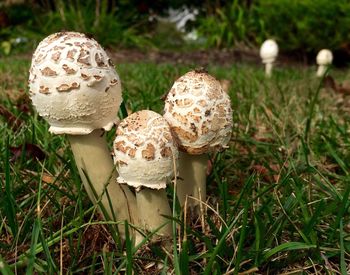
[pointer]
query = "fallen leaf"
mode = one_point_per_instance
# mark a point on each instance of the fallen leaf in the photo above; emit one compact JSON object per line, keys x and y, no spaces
{"x":270,"y":173}
{"x":11,"y":119}
{"x":342,"y":88}
{"x":30,"y":151}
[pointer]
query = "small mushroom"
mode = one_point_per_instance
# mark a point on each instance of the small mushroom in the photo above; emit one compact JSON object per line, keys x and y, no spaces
{"x":60,"y":91}
{"x":145,"y":154}
{"x":324,"y":59}
{"x":268,"y":54}
{"x":200,"y":116}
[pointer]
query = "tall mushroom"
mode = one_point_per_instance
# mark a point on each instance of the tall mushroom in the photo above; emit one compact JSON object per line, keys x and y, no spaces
{"x":145,"y":154}
{"x":75,"y":88}
{"x":268,"y":54}
{"x":324,"y":58}
{"x":200,"y":116}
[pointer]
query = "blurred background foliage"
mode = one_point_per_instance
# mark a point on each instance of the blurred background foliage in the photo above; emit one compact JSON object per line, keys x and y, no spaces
{"x":300,"y":27}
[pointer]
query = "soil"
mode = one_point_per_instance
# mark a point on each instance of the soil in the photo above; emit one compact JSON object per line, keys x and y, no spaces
{"x":202,"y":58}
{"x":199,"y":57}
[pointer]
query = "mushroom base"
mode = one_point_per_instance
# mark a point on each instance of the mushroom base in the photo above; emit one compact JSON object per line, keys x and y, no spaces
{"x":153,"y":206}
{"x":191,"y":185}
{"x":268,"y":69}
{"x":321,"y":70}
{"x":96,"y":170}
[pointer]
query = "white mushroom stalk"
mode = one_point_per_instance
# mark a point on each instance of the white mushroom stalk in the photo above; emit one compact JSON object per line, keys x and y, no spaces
{"x":324,"y":59}
{"x":144,"y":152}
{"x":75,"y":88}
{"x":200,"y":116}
{"x":268,"y":54}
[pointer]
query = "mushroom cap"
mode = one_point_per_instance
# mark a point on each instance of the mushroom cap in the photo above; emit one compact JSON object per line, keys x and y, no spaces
{"x":199,"y":113}
{"x":144,"y":150}
{"x":324,"y":57}
{"x":268,"y":51}
{"x":73,"y":84}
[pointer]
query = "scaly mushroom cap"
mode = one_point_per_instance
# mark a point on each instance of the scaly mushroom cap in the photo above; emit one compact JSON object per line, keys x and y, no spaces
{"x":269,"y":51}
{"x":199,"y":113}
{"x":73,"y":84}
{"x":144,"y":150}
{"x":324,"y":57}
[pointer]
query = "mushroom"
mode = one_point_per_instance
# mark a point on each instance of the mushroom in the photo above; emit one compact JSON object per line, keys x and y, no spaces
{"x":268,"y":54}
{"x":324,"y":58}
{"x":145,"y":154}
{"x":200,"y":116}
{"x":75,"y":88}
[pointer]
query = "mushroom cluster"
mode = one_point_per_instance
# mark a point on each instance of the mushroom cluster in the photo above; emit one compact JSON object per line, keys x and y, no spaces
{"x":75,"y":88}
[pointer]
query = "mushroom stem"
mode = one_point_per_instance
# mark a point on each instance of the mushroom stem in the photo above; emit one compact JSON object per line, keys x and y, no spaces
{"x":321,"y":70}
{"x":96,"y":168}
{"x":153,"y":206}
{"x":192,"y":180}
{"x":268,"y":69}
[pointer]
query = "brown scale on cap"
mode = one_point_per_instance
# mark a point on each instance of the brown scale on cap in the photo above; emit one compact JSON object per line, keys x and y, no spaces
{"x":166,"y":152}
{"x":44,"y":90}
{"x":68,"y":69}
{"x":99,"y":60}
{"x":58,"y":48}
{"x":84,"y":58}
{"x":85,"y":76}
{"x":71,"y":54}
{"x":98,"y":77}
{"x":56,"y":56}
{"x":48,"y":72}
{"x":67,"y":87}
{"x":149,"y":152}
{"x":199,"y":113}
{"x":122,"y":147}
{"x":114,"y":82}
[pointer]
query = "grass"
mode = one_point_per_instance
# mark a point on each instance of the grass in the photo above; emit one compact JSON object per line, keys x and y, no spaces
{"x":279,"y":196}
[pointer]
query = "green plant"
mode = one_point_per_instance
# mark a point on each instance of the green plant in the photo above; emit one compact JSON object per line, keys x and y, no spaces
{"x":228,"y":25}
{"x":108,"y":24}
{"x":311,"y":25}
{"x":304,"y":26}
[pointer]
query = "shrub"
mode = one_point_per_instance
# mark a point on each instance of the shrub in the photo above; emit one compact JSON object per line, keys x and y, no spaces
{"x":305,"y":26}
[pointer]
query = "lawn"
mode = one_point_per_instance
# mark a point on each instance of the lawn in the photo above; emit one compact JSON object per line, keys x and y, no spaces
{"x":278,"y":196}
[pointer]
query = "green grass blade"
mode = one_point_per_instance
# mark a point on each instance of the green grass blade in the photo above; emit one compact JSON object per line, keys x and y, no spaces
{"x":4,"y":268}
{"x":343,"y":268}
{"x":175,"y":253}
{"x":129,"y":246}
{"x":305,"y":139}
{"x":8,"y":198}
{"x":344,"y":205}
{"x":242,"y":236}
{"x":316,"y":216}
{"x":208,"y":268}
{"x":51,"y":264}
{"x":123,"y":113}
{"x":286,"y":247}
{"x":184,"y":258}
{"x":33,"y":246}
